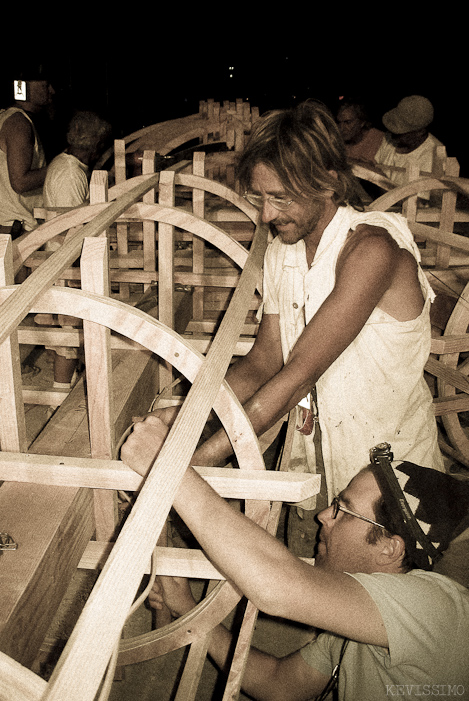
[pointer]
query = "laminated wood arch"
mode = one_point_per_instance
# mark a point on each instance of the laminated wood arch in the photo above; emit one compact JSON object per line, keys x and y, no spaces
{"x":398,"y":194}
{"x":148,"y":332}
{"x":172,"y":461}
{"x":213,"y":120}
{"x":28,"y":243}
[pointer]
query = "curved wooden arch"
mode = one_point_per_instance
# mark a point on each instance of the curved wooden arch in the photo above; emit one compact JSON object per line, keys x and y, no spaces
{"x":30,"y":242}
{"x":389,"y":199}
{"x":456,"y":378}
{"x":164,"y":137}
{"x":372,"y":176}
{"x":150,"y":333}
{"x":82,"y":309}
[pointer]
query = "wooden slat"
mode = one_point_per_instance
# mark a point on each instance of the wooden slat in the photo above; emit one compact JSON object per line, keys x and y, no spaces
{"x":114,"y":474}
{"x":99,"y":390}
{"x":12,"y":420}
{"x":171,"y":562}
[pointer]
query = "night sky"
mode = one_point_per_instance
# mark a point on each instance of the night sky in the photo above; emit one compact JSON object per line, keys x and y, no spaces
{"x":135,"y":87}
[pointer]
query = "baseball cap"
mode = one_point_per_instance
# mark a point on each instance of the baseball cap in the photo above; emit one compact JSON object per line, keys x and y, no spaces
{"x":412,"y":113}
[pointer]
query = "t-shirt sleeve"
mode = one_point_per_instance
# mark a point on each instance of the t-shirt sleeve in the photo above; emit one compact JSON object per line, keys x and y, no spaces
{"x":415,"y":607}
{"x":322,"y":654}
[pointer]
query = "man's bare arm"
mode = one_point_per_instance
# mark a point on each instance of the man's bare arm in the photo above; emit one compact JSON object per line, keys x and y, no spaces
{"x":272,"y":388}
{"x":265,"y":676}
{"x":267,"y":573}
{"x":17,"y":139}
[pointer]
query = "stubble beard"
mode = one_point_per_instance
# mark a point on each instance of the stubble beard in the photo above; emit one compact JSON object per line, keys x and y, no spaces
{"x":300,"y":229}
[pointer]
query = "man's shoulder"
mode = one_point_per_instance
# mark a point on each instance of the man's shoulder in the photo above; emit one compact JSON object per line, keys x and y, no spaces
{"x":417,"y":582}
{"x":14,"y":118}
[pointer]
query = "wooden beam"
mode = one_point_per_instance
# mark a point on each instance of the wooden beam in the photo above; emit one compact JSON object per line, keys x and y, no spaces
{"x":51,"y":528}
{"x":114,"y":474}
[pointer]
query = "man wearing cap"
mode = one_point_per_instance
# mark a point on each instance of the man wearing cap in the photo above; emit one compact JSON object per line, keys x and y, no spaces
{"x":408,"y":140}
{"x":390,"y":621}
{"x":23,"y":165}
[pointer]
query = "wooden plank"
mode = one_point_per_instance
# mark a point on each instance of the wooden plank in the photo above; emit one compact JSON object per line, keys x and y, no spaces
{"x":52,"y":527}
{"x":171,"y":562}
{"x":12,"y":420}
{"x":97,"y":343}
{"x":69,"y":432}
{"x":61,"y":470}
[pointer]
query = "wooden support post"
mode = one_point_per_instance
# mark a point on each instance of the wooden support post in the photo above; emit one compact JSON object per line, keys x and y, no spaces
{"x":166,"y":267}
{"x":448,"y":214}
{"x":12,"y":421}
{"x":97,"y":343}
{"x":149,"y":228}
{"x":98,"y":187}
{"x":198,"y":245}
{"x":122,"y":227}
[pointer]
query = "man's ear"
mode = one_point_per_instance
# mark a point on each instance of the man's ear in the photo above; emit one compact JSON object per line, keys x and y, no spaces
{"x":391,"y":550}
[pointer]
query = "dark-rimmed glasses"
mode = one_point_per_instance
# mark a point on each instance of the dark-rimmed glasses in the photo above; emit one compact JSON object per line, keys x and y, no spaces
{"x":280,"y":203}
{"x":337,"y":506}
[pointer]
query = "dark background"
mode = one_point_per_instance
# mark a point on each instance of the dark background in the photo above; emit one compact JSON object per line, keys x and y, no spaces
{"x":139,"y":83}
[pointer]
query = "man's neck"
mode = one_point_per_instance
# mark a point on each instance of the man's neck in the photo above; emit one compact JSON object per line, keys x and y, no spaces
{"x":313,"y":239}
{"x":28,"y":106}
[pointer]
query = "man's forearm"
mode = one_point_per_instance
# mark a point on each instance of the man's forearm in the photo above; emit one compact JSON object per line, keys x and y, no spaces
{"x":259,"y":673}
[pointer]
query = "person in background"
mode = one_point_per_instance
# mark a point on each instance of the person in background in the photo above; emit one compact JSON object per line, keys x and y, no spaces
{"x":362,"y":140}
{"x":67,"y":185}
{"x":23,"y":165}
{"x":409,"y":141}
{"x":68,"y":175}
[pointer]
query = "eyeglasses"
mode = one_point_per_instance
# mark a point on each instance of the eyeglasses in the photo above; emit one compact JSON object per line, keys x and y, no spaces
{"x":258,"y":201}
{"x":336,"y":507}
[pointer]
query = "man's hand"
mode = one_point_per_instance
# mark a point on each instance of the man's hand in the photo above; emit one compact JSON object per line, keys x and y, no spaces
{"x":144,"y":443}
{"x":174,"y":592}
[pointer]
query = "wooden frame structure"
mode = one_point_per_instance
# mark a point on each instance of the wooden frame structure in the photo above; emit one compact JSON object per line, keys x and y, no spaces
{"x":101,"y":472}
{"x":83,"y":487}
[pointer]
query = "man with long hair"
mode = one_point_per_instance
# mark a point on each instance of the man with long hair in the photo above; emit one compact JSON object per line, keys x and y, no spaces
{"x":345,"y":329}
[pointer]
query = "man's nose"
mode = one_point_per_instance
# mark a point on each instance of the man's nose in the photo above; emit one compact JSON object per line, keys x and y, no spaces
{"x":268,"y":212}
{"x":325,"y":516}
